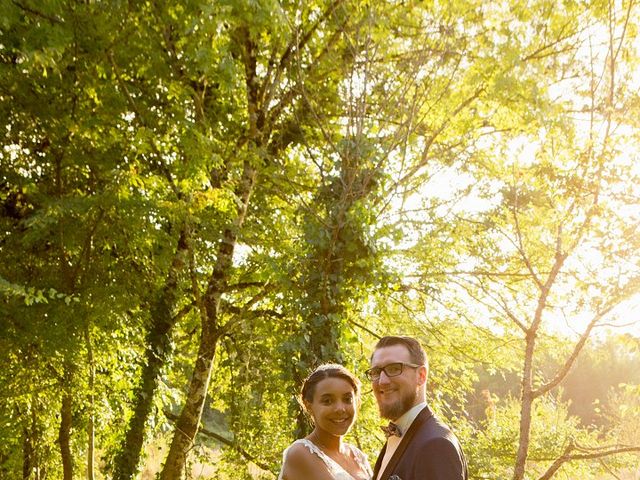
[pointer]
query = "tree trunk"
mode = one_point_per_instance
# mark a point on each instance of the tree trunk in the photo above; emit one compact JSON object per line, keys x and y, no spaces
{"x":64,"y":436}
{"x":27,"y":454}
{"x":189,"y":420}
{"x":91,"y":445}
{"x":526,"y":402}
{"x":91,"y":424}
{"x":188,"y":423}
{"x":158,"y":351}
{"x":31,"y":467}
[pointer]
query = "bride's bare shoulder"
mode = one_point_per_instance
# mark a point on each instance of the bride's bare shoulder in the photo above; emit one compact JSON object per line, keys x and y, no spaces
{"x":301,"y":464}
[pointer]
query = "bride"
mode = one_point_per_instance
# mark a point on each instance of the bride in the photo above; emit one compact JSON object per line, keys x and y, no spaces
{"x":330,"y":395}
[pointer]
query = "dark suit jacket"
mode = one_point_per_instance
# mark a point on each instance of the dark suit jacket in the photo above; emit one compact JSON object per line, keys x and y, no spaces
{"x":427,"y":451}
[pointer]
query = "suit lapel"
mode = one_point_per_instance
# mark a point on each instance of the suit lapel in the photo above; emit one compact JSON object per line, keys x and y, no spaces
{"x":376,"y":468}
{"x":424,"y":415}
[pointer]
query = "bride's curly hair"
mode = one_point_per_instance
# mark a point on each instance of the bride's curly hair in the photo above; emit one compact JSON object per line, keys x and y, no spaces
{"x":328,"y":370}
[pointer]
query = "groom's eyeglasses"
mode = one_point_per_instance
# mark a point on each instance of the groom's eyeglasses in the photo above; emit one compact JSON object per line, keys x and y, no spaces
{"x":390,"y":370}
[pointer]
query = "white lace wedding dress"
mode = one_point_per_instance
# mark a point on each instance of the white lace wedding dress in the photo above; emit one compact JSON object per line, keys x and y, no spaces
{"x":333,"y":467}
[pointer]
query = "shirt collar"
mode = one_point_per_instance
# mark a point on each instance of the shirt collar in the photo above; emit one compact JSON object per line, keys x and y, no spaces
{"x":407,"y":418}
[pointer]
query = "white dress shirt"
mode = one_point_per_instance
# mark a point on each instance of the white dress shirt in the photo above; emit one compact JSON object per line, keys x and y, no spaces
{"x":404,"y":422}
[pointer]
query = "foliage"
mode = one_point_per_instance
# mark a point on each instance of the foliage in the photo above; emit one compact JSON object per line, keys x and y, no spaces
{"x":277,"y":184}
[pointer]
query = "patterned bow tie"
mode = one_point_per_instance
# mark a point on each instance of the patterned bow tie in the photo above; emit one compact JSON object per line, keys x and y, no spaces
{"x":392,"y":429}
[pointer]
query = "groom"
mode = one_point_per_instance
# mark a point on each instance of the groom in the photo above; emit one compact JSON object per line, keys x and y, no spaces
{"x":419,"y":446}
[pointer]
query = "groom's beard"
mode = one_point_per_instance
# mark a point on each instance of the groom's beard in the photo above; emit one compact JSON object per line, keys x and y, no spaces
{"x":396,"y":409}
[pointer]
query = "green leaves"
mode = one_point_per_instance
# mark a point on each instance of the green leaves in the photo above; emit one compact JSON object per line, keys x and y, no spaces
{"x":413,"y":167}
{"x":31,"y":295}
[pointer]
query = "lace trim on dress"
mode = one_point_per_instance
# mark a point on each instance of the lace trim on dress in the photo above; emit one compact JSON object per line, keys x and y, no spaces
{"x":334,"y":467}
{"x":313,"y":448}
{"x":362,"y":460}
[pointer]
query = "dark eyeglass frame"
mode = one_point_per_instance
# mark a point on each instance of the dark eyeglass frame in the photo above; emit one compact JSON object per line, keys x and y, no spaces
{"x":373,"y":373}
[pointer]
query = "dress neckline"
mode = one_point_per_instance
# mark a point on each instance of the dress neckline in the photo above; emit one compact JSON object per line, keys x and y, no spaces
{"x":318,"y":451}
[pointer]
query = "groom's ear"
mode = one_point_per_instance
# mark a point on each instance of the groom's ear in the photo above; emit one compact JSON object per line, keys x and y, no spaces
{"x":422,"y":375}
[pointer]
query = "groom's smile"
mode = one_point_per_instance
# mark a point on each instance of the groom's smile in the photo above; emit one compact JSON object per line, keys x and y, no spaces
{"x":397,"y":393}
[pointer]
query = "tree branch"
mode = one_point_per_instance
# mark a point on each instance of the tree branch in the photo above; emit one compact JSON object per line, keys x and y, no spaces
{"x":37,"y":13}
{"x":370,"y":332}
{"x":225,"y":441}
{"x":294,"y":47}
{"x":591,"y":454}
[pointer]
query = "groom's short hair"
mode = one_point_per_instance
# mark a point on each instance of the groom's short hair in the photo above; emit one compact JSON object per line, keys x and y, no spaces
{"x":416,"y":352}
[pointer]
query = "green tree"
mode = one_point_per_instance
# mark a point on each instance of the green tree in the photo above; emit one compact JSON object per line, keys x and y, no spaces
{"x":557,"y":246}
{"x":232,"y":192}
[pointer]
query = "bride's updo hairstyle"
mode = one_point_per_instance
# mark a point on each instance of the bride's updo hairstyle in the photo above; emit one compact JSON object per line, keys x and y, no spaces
{"x":328,"y":370}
